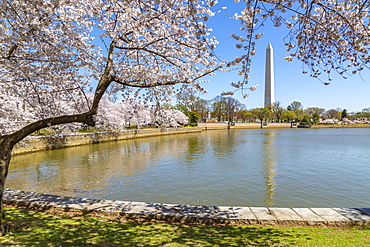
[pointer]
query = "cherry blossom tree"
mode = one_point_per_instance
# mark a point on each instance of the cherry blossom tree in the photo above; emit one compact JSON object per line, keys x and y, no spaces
{"x":137,"y":113}
{"x":48,"y":55}
{"x":180,"y":117}
{"x":167,"y":116}
{"x":110,"y":115}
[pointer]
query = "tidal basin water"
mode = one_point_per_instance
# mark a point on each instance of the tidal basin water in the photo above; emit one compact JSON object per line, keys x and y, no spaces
{"x":250,"y":167}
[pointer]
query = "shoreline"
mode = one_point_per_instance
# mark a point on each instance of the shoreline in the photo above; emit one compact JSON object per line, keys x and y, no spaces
{"x":42,"y":143}
{"x":210,"y":126}
{"x":190,"y":214}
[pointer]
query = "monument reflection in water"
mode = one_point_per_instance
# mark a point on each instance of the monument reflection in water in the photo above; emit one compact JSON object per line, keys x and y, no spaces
{"x":251,"y":167}
{"x":269,"y":166}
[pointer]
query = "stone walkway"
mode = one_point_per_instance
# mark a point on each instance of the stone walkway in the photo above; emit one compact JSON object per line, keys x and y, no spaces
{"x":197,"y":214}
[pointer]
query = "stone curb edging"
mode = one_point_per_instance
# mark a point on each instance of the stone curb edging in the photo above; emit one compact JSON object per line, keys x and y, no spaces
{"x":195,"y":214}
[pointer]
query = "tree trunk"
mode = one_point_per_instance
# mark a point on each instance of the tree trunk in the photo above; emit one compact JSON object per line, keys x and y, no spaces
{"x":5,"y":155}
{"x":7,"y":143}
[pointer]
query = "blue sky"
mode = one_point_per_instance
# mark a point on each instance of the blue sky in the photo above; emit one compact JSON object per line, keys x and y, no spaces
{"x":290,"y":84}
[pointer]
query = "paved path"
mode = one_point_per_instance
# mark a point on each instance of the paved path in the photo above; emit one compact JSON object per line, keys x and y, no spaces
{"x":197,"y":214}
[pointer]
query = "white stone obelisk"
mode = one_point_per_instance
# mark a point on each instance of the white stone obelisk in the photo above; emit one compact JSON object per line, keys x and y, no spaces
{"x":269,"y":76}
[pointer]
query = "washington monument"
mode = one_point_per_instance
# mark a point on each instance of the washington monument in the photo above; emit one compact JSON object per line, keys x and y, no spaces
{"x":269,"y":76}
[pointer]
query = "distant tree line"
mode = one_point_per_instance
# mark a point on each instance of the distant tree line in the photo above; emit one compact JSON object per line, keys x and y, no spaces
{"x":229,"y":109}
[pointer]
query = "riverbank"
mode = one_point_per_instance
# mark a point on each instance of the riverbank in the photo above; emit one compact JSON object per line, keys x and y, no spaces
{"x":40,"y":143}
{"x":213,"y":126}
{"x":340,"y":126}
{"x":190,"y":214}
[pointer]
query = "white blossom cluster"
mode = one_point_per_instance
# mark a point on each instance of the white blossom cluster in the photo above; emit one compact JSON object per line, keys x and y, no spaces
{"x":167,"y":117}
{"x":345,"y":121}
{"x":52,"y":53}
{"x":111,"y":116}
{"x":117,"y":116}
{"x":17,"y":112}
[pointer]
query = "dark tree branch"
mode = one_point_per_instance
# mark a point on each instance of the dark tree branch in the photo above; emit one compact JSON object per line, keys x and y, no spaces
{"x":15,"y":137}
{"x":11,"y":51}
{"x":137,"y":84}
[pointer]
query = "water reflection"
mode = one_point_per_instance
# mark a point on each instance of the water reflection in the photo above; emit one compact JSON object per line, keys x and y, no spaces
{"x":279,"y":167}
{"x":224,"y":145}
{"x":269,"y":165}
{"x":89,"y":168}
{"x":193,"y":150}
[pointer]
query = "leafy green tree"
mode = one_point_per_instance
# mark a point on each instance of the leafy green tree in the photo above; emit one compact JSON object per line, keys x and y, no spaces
{"x":299,"y":115}
{"x":365,"y":112}
{"x":244,"y":115}
{"x":183,"y":108}
{"x":276,"y":110}
{"x":261,"y":114}
{"x":240,"y":115}
{"x":344,"y":114}
{"x":315,"y":118}
{"x":250,"y":117}
{"x":289,"y":115}
{"x":306,"y":119}
{"x":168,"y":106}
{"x":194,"y":117}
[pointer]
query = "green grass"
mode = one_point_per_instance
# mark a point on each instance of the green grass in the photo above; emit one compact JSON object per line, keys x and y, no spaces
{"x":43,"y":132}
{"x":31,"y":228}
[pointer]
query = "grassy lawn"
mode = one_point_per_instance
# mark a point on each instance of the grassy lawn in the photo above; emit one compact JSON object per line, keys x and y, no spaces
{"x":31,"y":228}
